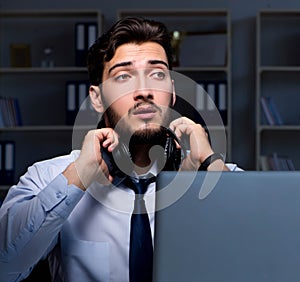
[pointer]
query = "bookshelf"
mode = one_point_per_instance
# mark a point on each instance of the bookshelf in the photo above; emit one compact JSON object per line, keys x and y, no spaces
{"x":277,"y":76}
{"x":40,"y":86}
{"x":204,"y":57}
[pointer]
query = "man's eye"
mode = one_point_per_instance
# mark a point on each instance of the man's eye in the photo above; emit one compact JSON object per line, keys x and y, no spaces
{"x":122,"y":77}
{"x":158,"y":75}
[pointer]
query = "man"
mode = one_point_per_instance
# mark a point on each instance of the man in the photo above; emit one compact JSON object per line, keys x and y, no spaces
{"x":76,"y":209}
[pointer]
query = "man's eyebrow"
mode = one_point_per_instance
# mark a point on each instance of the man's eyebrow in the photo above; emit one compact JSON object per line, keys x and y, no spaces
{"x":151,"y":62}
{"x":158,"y":62}
{"x":123,"y":64}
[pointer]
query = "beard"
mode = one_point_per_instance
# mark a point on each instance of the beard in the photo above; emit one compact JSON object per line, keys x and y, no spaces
{"x":149,"y":134}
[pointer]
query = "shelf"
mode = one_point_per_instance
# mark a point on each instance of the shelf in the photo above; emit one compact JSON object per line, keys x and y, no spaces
{"x":277,"y":78}
{"x":44,"y":128}
{"x":279,"y":69}
{"x":50,"y":13}
{"x":172,"y":12}
{"x":279,"y":128}
{"x":202,"y":69}
{"x":279,"y":13}
{"x":40,"y":70}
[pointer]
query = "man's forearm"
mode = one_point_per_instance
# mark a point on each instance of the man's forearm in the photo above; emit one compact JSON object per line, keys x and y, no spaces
{"x":31,"y":224}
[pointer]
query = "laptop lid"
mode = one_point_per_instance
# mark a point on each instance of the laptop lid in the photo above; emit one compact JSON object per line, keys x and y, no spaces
{"x":247,"y":228}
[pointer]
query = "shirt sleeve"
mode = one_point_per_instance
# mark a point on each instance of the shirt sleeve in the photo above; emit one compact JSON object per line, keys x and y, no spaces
{"x":233,"y":167}
{"x":31,"y":218}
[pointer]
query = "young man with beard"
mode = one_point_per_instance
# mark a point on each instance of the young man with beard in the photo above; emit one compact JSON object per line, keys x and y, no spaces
{"x":76,"y":210}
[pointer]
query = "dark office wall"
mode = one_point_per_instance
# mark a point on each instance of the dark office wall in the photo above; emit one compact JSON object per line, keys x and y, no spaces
{"x":243,"y":14}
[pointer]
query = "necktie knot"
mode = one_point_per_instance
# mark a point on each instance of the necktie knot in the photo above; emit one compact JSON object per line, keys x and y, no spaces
{"x":139,"y":186}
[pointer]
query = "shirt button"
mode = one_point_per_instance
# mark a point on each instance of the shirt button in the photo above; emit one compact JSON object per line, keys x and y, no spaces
{"x":68,"y":202}
{"x":31,"y":228}
{"x":58,"y":195}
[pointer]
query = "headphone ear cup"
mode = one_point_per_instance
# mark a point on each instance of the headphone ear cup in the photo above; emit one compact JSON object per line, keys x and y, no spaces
{"x":172,"y":154}
{"x":122,"y":158}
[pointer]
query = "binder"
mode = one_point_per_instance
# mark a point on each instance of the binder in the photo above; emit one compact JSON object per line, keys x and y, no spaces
{"x":211,"y":88}
{"x":222,"y":101}
{"x":17,"y":113}
{"x":210,"y":104}
{"x":71,"y":102}
{"x":200,"y":95}
{"x":2,"y":124}
{"x":82,"y":95}
{"x":85,"y":35}
{"x":8,"y":162}
{"x":4,"y":109}
{"x":85,"y":109}
{"x":91,"y":34}
{"x":76,"y":100}
{"x":80,"y":49}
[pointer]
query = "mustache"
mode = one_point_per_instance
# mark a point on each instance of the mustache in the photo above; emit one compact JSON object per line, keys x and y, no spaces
{"x":145,"y":103}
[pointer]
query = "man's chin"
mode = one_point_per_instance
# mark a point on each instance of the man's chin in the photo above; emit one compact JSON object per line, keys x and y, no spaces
{"x":150,"y":126}
{"x":149,"y":134}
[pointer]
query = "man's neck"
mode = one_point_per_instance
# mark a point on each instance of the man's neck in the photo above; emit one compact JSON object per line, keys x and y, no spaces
{"x":140,"y":157}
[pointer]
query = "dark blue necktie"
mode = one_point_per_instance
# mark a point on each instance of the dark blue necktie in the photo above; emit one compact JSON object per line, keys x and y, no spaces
{"x":141,"y":249}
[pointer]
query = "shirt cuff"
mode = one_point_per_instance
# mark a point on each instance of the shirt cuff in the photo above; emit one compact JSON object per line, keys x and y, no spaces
{"x":60,"y":197}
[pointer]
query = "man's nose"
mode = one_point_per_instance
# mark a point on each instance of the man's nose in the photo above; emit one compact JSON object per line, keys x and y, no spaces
{"x":143,"y":88}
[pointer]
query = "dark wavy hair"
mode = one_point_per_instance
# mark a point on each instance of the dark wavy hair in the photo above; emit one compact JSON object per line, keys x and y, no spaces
{"x":128,"y":30}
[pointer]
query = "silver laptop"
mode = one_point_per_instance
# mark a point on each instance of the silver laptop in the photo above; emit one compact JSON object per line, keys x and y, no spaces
{"x":230,"y":226}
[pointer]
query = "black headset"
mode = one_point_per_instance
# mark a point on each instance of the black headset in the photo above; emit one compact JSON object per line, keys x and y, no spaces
{"x":170,"y":159}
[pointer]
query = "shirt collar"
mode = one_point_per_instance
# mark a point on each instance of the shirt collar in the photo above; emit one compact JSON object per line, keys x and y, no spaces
{"x":150,"y":173}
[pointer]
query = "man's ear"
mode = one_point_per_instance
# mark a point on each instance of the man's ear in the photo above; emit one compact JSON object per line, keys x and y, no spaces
{"x":96,"y":98}
{"x":173,"y":94}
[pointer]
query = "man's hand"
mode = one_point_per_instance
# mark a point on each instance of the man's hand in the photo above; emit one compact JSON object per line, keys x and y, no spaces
{"x":200,"y":147}
{"x":90,"y":165}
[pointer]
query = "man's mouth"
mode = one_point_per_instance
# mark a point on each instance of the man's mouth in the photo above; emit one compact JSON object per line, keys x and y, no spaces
{"x":145,"y":112}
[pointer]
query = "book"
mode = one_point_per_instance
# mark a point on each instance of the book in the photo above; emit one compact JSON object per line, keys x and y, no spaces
{"x":290,"y":164}
{"x":270,"y":110}
{"x":266,"y":110}
{"x":264,"y":163}
{"x":274,"y":111}
{"x":10,"y":113}
{"x":276,"y":162}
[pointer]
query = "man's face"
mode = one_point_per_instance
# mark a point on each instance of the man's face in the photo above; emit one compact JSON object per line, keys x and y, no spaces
{"x":137,"y":89}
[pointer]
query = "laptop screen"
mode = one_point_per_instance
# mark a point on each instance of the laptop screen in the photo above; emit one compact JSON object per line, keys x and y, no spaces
{"x":247,"y":228}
